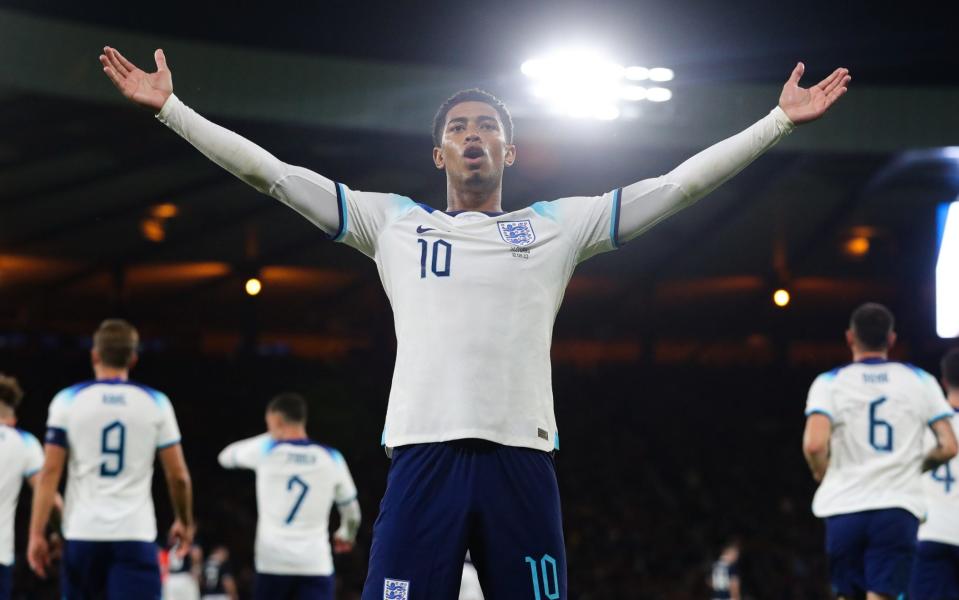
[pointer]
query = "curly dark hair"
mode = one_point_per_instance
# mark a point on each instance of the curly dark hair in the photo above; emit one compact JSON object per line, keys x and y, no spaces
{"x":10,"y":391}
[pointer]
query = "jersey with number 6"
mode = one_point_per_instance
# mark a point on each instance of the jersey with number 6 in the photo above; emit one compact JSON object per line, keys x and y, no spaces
{"x":942,"y":494}
{"x":112,"y":430}
{"x":20,"y":458}
{"x":880,"y":411}
{"x":297,"y":483}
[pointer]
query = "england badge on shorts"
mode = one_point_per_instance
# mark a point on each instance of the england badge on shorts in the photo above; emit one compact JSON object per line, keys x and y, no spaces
{"x":396,"y":589}
{"x":517,"y":233}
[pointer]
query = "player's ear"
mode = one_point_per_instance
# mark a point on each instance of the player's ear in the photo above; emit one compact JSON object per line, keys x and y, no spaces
{"x":438,"y":158}
{"x":510,"y":155}
{"x":850,"y":338}
{"x":891,"y":340}
{"x":133,"y":360}
{"x":94,"y":356}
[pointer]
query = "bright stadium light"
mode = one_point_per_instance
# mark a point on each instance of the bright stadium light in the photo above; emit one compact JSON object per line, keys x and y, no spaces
{"x":947,"y":272}
{"x":658,"y":94}
{"x":253,"y":286}
{"x":781,"y":298}
{"x":582,"y":83}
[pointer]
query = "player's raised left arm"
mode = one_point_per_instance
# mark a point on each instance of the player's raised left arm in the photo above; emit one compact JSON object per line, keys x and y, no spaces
{"x":647,"y":202}
{"x":815,"y":444}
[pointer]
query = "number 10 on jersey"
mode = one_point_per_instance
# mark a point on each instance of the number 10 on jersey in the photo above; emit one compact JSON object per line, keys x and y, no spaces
{"x":442,"y":253}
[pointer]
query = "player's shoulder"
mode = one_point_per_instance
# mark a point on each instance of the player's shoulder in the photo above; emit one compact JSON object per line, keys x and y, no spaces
{"x":29,"y":440}
{"x":158,"y":397}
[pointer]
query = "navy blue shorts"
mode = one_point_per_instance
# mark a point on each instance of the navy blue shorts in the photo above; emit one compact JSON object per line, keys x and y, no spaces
{"x":293,"y":587}
{"x":114,"y":570}
{"x":499,"y":502}
{"x":871,"y":551}
{"x":935,"y":575}
{"x":6,"y":582}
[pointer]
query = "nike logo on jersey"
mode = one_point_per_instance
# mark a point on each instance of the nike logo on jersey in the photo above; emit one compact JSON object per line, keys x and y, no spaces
{"x":420,"y":229}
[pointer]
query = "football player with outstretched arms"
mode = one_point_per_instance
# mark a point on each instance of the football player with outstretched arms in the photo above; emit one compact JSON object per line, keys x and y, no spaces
{"x":474,"y":292}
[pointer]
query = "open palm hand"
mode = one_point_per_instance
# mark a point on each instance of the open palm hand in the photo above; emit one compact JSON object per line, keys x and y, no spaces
{"x":802,"y":105}
{"x":146,"y":89}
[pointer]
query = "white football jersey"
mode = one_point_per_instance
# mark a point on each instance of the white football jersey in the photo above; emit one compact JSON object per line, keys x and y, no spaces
{"x":474,"y":298}
{"x":942,"y":497}
{"x":21,"y":457}
{"x":880,"y":411}
{"x":297,"y":483}
{"x":112,"y":430}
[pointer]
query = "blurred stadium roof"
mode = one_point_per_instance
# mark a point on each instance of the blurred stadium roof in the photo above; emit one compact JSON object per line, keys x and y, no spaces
{"x":349,"y":90}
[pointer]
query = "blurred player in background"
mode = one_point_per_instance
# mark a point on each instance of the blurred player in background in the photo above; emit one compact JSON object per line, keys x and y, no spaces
{"x":183,"y":573}
{"x":298,"y":481}
{"x":111,"y":430}
{"x":216,"y":580}
{"x":475,"y":293}
{"x":864,"y":443}
{"x":724,"y":580}
{"x":935,"y":575}
{"x":21,"y":458}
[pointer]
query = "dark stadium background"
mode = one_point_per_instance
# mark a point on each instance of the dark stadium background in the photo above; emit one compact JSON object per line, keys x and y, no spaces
{"x":679,"y":385}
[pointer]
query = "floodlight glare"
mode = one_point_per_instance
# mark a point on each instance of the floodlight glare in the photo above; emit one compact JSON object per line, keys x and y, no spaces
{"x":661,"y":74}
{"x":637,"y":73}
{"x":658,"y":94}
{"x":582,"y":83}
{"x":947,"y":272}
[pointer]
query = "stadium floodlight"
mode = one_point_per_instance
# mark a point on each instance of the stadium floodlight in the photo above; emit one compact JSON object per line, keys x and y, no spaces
{"x":661,"y":74}
{"x":781,"y":298}
{"x":947,"y":272}
{"x":658,"y":94}
{"x":582,"y":83}
{"x":253,"y":286}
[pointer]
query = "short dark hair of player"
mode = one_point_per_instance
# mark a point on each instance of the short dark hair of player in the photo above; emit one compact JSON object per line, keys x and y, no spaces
{"x":471,"y":95}
{"x":10,"y":391}
{"x":950,"y":368}
{"x":116,"y":342}
{"x":872,"y":323}
{"x":291,"y":406}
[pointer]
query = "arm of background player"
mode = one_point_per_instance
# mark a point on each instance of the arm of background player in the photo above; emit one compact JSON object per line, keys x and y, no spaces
{"x":229,"y":586}
{"x":245,"y":454}
{"x":310,"y":194}
{"x":646,"y":203}
{"x":815,"y":444}
{"x":350,"y":518}
{"x":181,"y":496}
{"x":735,"y":589}
{"x":44,"y":499}
{"x":196,"y":569}
{"x":946,"y":446}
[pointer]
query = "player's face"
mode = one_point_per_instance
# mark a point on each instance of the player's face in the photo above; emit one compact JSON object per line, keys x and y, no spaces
{"x":473,"y":150}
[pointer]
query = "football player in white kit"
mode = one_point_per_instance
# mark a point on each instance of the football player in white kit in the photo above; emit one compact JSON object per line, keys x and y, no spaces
{"x":474,"y":293}
{"x":298,"y":481}
{"x":865,"y":424}
{"x":20,"y":460}
{"x":111,"y":430}
{"x":935,"y":575}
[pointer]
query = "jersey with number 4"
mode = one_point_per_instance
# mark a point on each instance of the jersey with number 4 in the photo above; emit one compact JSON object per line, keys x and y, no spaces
{"x":297,"y":483}
{"x":942,"y":494}
{"x":880,"y":411}
{"x":112,"y":430}
{"x":474,"y":297}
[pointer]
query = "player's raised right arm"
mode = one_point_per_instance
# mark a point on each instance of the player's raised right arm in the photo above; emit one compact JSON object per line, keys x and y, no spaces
{"x":309,"y":193}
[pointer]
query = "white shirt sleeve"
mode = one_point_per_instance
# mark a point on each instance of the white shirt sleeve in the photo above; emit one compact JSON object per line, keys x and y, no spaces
{"x":591,"y":221}
{"x":34,"y":456}
{"x":168,"y":432}
{"x":246,"y":454}
{"x":935,"y":405}
{"x":821,"y":399}
{"x":645,"y":203}
{"x":345,"y":490}
{"x":312,"y":195}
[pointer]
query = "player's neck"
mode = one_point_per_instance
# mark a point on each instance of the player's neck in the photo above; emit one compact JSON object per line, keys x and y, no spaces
{"x":290,"y":433}
{"x":486,"y":200}
{"x":8,"y":421}
{"x":102,"y":372}
{"x":861,"y":355}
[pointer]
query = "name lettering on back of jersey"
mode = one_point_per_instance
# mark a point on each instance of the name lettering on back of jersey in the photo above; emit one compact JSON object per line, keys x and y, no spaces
{"x":875,"y":378}
{"x":300,"y":459}
{"x":114,"y":399}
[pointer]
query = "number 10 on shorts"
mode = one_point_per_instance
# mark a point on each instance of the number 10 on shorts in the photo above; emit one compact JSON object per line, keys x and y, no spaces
{"x":545,"y":569}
